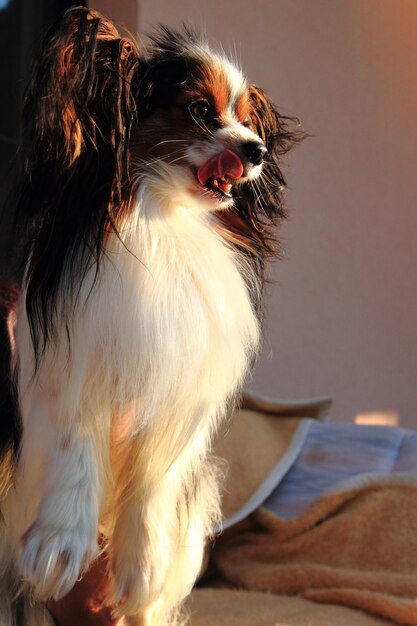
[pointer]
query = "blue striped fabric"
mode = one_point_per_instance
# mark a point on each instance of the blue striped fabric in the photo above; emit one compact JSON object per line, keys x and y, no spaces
{"x":333,"y":453}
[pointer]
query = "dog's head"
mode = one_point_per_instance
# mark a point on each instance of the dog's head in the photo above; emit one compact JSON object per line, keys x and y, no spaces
{"x":198,"y":115}
{"x":102,"y":118}
{"x":208,"y":135}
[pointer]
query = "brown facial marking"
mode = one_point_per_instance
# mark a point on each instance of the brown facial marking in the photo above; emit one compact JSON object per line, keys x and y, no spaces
{"x":242,"y":107}
{"x":174,"y":126}
{"x":261,"y":113}
{"x":214,"y":83}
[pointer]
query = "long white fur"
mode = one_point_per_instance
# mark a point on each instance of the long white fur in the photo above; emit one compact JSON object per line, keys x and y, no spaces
{"x":166,"y":332}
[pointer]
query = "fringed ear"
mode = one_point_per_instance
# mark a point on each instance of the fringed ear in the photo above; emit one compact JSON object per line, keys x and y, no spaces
{"x":262,"y":200}
{"x":78,"y":117}
{"x":81,"y":98}
{"x":279,"y":133}
{"x":259,"y":204}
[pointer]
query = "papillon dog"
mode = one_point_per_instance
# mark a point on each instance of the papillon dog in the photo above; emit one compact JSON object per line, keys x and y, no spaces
{"x":150,"y":195}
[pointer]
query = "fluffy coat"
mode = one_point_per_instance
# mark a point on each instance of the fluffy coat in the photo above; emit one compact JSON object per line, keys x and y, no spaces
{"x":139,"y":313}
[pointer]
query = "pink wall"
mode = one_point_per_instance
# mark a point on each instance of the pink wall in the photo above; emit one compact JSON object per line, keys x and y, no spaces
{"x":343,"y":310}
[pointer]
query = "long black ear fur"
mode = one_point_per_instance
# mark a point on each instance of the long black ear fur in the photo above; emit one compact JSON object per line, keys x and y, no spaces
{"x":78,"y":117}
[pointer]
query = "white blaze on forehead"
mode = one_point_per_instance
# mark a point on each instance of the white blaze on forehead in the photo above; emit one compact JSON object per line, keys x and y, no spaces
{"x":237,"y":84}
{"x":236,"y":79}
{"x":221,"y":64}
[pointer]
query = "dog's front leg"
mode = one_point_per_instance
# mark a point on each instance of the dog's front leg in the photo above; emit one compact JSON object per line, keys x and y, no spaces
{"x":158,"y":542}
{"x":62,"y":538}
{"x":142,"y":542}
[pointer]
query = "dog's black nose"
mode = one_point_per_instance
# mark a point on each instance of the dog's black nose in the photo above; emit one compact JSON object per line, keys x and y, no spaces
{"x":255,"y":152}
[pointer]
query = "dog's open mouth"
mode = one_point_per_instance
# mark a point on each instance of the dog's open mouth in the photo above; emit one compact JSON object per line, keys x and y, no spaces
{"x":219,"y":173}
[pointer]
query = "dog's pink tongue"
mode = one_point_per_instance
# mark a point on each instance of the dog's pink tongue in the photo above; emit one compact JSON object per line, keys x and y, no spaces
{"x":227,"y":163}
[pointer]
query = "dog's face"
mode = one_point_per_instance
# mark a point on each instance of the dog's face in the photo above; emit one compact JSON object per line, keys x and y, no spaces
{"x":196,"y":131}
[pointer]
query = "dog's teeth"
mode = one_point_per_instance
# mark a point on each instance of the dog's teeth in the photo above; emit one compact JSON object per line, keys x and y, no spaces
{"x":225,"y":186}
{"x":219,"y":186}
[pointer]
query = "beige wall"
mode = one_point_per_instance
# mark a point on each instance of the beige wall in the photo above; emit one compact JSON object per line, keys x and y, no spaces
{"x":343,"y":310}
{"x":125,"y":12}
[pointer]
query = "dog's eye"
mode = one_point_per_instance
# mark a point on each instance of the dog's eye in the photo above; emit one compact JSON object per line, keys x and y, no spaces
{"x":200,"y":110}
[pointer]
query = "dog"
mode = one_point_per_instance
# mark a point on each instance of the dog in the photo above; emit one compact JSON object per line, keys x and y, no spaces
{"x":147,"y":209}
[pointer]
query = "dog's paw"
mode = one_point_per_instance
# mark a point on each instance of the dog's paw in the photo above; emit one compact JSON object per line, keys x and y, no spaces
{"x":153,"y":615}
{"x":137,"y":585}
{"x":52,"y":558}
{"x":140,"y":563}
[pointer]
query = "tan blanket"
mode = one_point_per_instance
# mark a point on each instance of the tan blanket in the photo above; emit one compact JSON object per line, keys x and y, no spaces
{"x":355,"y":549}
{"x":226,"y":607}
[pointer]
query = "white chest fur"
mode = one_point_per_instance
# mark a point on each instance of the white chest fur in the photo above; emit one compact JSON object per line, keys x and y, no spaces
{"x":168,"y":330}
{"x":175,"y":296}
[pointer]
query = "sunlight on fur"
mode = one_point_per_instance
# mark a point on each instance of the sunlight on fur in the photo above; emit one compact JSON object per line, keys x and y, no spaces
{"x":148,"y":206}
